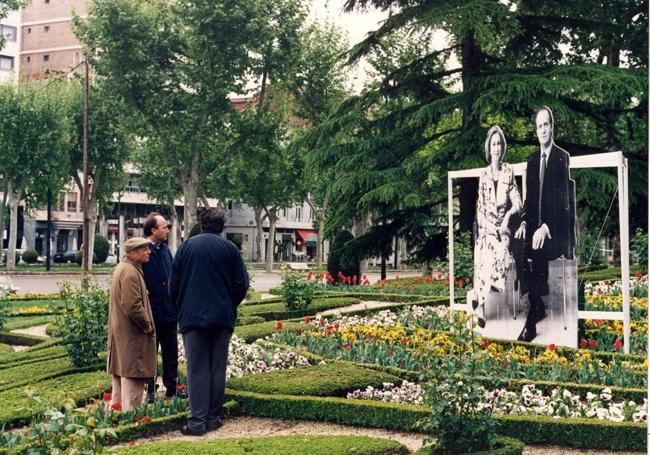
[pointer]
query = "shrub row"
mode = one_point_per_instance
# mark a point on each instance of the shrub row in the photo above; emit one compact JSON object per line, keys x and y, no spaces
{"x":277,"y":311}
{"x":5,"y":349}
{"x":20,"y":339}
{"x":324,"y":380}
{"x":34,"y":372}
{"x":248,"y":320}
{"x":49,"y":350}
{"x":254,"y":332}
{"x":17,"y":408}
{"x":22,"y":322}
{"x":504,"y":446}
{"x":246,"y":303}
{"x":582,"y":433}
{"x":277,"y":445}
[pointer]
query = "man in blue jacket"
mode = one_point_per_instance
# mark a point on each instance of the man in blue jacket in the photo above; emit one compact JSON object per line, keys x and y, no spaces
{"x":156,"y":275}
{"x":208,"y":282}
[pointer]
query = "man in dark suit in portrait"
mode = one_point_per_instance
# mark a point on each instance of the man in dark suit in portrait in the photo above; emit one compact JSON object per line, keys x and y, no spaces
{"x":548,"y":224}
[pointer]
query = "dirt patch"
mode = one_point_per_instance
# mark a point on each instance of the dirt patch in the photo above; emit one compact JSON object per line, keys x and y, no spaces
{"x":37,"y":330}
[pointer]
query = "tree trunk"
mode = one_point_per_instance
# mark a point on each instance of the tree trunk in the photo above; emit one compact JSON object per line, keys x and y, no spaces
{"x":92,"y":221}
{"x":273,"y":218}
{"x":16,"y":196}
{"x":173,"y":234}
{"x":3,"y":207}
{"x":259,"y":234}
{"x":190,"y":199}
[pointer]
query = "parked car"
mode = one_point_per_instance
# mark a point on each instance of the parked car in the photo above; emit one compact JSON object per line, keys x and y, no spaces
{"x":62,"y":258}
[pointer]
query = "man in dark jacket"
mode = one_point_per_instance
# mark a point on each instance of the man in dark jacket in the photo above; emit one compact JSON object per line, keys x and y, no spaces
{"x":156,"y":275}
{"x":549,"y":216}
{"x":208,"y":282}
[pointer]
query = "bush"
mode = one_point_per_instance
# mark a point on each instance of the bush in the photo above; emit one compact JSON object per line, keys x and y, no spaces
{"x":463,"y":256}
{"x":336,"y":265}
{"x":277,"y":311}
{"x":327,"y":380}
{"x":196,"y":230}
{"x":79,"y":256}
{"x":4,"y":257}
{"x":84,"y":321}
{"x":30,"y":256}
{"x":588,"y":252}
{"x":277,"y":445}
{"x":297,"y":292}
{"x":504,"y":446}
{"x":100,"y":250}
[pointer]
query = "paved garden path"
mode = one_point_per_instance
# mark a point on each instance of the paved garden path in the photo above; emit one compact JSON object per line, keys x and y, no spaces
{"x":257,"y":426}
{"x":37,"y":330}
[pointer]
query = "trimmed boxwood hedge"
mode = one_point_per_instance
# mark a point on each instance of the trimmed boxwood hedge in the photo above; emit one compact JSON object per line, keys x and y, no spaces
{"x":505,"y":446}
{"x":583,"y":433}
{"x":22,"y":322}
{"x":248,"y":320}
{"x":49,"y":350}
{"x":277,"y":311}
{"x":333,"y":379}
{"x":20,"y":339}
{"x":254,"y":332}
{"x":16,"y":408}
{"x":276,"y":445}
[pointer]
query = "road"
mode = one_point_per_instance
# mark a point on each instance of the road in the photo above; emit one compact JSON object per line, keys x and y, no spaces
{"x":50,"y":283}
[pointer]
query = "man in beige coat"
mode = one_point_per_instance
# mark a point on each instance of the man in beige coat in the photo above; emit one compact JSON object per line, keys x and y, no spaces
{"x":131,"y":334}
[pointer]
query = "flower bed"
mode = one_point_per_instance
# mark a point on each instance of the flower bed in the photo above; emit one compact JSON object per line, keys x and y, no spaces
{"x":528,"y":401}
{"x":415,"y":339}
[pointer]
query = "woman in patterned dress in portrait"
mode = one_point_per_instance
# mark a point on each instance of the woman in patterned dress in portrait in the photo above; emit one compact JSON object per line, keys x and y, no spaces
{"x":498,"y":200}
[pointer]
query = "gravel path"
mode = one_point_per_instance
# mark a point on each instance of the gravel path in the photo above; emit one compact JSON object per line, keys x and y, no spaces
{"x":257,"y":426}
{"x":37,"y":330}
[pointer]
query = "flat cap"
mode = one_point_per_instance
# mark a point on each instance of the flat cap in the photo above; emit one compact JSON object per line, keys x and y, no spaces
{"x":135,"y":243}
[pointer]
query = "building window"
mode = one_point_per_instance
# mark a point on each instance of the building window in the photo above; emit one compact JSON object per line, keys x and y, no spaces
{"x":29,"y":30}
{"x":72,"y":202}
{"x":132,"y":186}
{"x":29,"y":59}
{"x":8,"y":31}
{"x":284,"y":213}
{"x":298,"y":213}
{"x":46,"y":28}
{"x":6,"y":62}
{"x":46,"y":58}
{"x":47,"y":1}
{"x":60,"y":203}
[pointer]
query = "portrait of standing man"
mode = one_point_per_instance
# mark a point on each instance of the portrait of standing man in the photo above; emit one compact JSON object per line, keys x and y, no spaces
{"x":157,"y":273}
{"x":548,"y":225}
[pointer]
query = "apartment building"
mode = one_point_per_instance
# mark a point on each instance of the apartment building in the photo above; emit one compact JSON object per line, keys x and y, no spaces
{"x":10,"y":53}
{"x":48,"y":41}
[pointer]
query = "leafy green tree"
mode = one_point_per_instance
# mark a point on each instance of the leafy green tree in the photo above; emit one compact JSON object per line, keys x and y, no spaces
{"x":33,"y":139}
{"x":109,"y":146}
{"x":319,"y":85}
{"x":175,"y":65}
{"x":425,"y":115}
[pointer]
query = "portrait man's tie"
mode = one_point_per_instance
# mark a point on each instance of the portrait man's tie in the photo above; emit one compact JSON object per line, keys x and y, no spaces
{"x":542,"y":169}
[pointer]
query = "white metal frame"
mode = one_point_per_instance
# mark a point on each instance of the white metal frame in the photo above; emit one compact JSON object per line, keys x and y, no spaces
{"x":612,"y":159}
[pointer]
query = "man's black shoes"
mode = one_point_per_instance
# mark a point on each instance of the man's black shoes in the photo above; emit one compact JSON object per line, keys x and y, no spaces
{"x":214,"y":425}
{"x":188,"y":431}
{"x":528,"y":334}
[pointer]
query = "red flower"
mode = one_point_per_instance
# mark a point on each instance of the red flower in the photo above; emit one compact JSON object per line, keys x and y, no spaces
{"x":321,"y":322}
{"x":107,"y":396}
{"x":386,"y":281}
{"x":307,"y":319}
{"x":638,"y":274}
{"x":279,"y":325}
{"x":365,"y":277}
{"x":146,"y":419}
{"x":336,"y":326}
{"x":396,"y":283}
{"x":598,"y":321}
{"x":116,"y":406}
{"x":403,"y":339}
{"x":135,"y":419}
{"x":309,"y":275}
{"x":389,"y":352}
{"x":131,"y":443}
{"x":606,"y":282}
{"x":446,"y":284}
{"x":618,"y":344}
{"x":459,"y":283}
{"x":346,"y":345}
{"x":405,"y":283}
{"x":427,"y":280}
{"x":593,"y":344}
{"x":485,"y":344}
{"x":504,"y":364}
{"x":583,"y":343}
{"x":181,"y":388}
{"x":397,"y":277}
{"x":354,"y":279}
{"x":551,"y":347}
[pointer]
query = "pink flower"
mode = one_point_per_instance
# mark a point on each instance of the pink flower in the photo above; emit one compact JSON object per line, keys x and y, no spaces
{"x":618,"y":344}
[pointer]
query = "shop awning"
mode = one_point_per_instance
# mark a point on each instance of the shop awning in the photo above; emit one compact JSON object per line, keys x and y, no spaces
{"x":307,"y":235}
